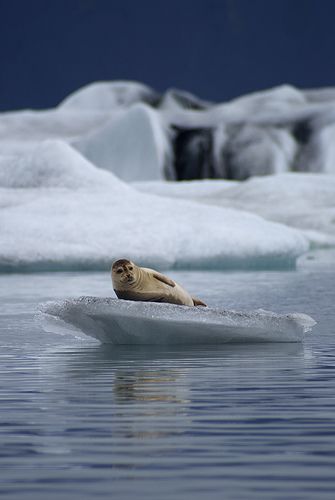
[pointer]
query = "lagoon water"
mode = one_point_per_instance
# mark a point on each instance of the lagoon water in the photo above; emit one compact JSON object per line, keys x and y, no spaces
{"x":82,"y":420}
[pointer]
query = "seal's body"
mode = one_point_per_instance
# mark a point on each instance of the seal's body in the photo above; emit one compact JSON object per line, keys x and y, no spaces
{"x":131,"y":282}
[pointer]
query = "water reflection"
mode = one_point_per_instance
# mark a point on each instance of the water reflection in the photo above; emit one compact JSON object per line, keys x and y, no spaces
{"x":146,"y":386}
{"x":168,"y":374}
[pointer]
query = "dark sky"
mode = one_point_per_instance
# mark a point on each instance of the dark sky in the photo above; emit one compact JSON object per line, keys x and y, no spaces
{"x":217,"y":49}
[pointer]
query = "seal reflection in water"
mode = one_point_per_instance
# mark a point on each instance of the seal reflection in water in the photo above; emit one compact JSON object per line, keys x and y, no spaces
{"x":131,"y":282}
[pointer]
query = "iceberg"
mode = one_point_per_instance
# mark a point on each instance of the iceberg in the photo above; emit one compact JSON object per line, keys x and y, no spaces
{"x":70,"y":177}
{"x":180,"y":99}
{"x":304,"y":201}
{"x":133,"y":145}
{"x":113,"y":321}
{"x":73,"y":215}
{"x":187,"y":190}
{"x":254,"y":150}
{"x":53,"y":164}
{"x":61,"y":229}
{"x":318,"y":154}
{"x":267,"y":132}
{"x":22,"y":131}
{"x":108,"y":95}
{"x":137,"y":133}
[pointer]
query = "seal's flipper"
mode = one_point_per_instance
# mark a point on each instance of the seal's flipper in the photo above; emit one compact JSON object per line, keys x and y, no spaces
{"x":164,"y":279}
{"x":198,"y":302}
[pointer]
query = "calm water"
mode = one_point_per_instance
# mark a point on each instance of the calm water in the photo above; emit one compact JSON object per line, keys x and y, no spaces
{"x":80,"y":420}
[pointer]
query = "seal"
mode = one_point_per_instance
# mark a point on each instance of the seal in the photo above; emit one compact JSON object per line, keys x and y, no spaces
{"x":131,"y":282}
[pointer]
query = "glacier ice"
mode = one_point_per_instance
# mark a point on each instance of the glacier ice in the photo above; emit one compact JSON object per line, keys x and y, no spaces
{"x":116,"y":321}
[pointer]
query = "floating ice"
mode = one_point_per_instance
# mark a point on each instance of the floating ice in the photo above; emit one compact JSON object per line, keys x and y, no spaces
{"x":318,"y":154}
{"x":130,"y":129}
{"x":133,"y":146}
{"x":114,"y":321}
{"x":58,"y":210}
{"x":53,"y":163}
{"x":272,"y":131}
{"x":64,"y":224}
{"x":59,"y":229}
{"x":254,"y":150}
{"x":304,"y":201}
{"x":190,"y":190}
{"x":22,"y":131}
{"x":176,"y":99}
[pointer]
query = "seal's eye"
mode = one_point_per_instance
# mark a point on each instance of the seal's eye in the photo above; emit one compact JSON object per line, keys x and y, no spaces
{"x":119,"y":271}
{"x":131,"y":268}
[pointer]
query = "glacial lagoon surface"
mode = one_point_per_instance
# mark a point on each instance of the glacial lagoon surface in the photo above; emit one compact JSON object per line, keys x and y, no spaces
{"x":247,"y":421}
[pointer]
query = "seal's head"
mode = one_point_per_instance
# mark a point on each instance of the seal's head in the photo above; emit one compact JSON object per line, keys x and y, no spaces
{"x":124,"y":273}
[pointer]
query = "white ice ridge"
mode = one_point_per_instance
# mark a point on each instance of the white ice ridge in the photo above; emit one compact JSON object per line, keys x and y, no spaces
{"x":114,"y":321}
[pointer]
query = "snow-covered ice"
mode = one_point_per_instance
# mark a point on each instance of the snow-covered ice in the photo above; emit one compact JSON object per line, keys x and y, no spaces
{"x":304,"y":201}
{"x":69,"y":177}
{"x":22,"y":131}
{"x":192,"y":190}
{"x":116,"y":321}
{"x":62,"y":220}
{"x":53,"y":164}
{"x":271,"y":131}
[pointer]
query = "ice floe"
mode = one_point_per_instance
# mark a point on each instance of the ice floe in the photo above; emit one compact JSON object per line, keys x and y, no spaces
{"x":116,"y":321}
